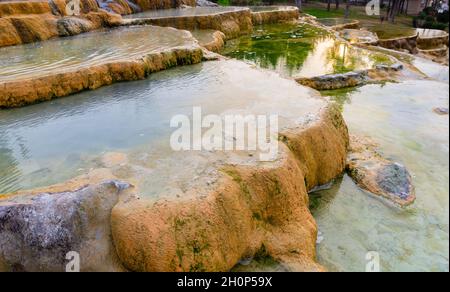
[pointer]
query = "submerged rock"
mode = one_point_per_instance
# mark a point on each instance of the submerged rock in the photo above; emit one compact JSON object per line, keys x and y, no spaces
{"x":441,"y":111}
{"x":335,"y":81}
{"x":206,"y":3}
{"x":37,"y":231}
{"x":378,"y":175}
{"x":112,"y":159}
{"x":250,"y":206}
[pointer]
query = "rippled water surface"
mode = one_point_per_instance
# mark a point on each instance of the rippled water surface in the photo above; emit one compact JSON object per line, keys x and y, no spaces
{"x":334,"y":21}
{"x":63,"y":54}
{"x":53,"y":141}
{"x":300,"y":50}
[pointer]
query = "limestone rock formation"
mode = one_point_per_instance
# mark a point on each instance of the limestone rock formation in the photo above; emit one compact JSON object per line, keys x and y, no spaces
{"x":212,"y":41}
{"x":232,"y":23}
{"x":73,"y":25}
{"x":377,"y":175}
{"x":211,"y":228}
{"x":408,"y":44}
{"x":37,"y":231}
{"x":352,"y":79}
{"x":249,"y":207}
{"x":27,"y":22}
{"x":277,"y":15}
{"x":335,"y":81}
{"x":20,"y":92}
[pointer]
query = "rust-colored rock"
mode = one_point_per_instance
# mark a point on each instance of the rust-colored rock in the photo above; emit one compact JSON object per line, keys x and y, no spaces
{"x":27,"y":22}
{"x":380,"y":73}
{"x":231,"y":23}
{"x":213,"y":41}
{"x":250,"y":207}
{"x":24,"y":7}
{"x":8,"y":33}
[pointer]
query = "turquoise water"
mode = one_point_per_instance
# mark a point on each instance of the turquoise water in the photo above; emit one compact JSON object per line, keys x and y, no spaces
{"x":51,"y":142}
{"x":400,"y":118}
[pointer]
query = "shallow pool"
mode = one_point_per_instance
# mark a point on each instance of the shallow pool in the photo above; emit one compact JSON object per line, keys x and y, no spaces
{"x":300,"y":50}
{"x":54,"y":141}
{"x":400,"y":118}
{"x":85,"y":50}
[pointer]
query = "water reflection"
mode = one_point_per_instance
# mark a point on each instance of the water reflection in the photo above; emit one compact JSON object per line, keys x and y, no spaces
{"x":300,"y":50}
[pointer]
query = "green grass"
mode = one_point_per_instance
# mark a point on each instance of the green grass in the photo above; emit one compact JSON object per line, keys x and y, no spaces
{"x":401,"y":27}
{"x":321,"y":12}
{"x":224,"y":2}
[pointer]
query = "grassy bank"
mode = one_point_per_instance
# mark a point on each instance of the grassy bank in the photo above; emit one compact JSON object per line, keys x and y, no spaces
{"x":401,"y":27}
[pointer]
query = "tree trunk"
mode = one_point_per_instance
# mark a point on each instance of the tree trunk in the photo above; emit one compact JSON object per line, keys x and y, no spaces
{"x":337,"y":4}
{"x":402,"y":7}
{"x":347,"y":9}
{"x":388,"y":8}
{"x":329,"y":5}
{"x":394,"y":10}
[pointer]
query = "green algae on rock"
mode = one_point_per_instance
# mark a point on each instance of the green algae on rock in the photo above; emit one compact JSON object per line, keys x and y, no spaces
{"x":300,"y":50}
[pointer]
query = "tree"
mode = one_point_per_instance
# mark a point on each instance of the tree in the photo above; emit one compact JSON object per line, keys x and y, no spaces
{"x":337,"y":4}
{"x":328,"y":5}
{"x":347,"y":9}
{"x":393,"y":10}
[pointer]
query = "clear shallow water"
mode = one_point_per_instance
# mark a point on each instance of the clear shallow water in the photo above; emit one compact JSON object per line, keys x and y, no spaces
{"x":400,"y":118}
{"x":270,"y":8}
{"x":179,"y":12}
{"x":334,"y":21}
{"x":85,"y":50}
{"x":431,"y":33}
{"x":300,"y":50}
{"x":54,"y":141}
